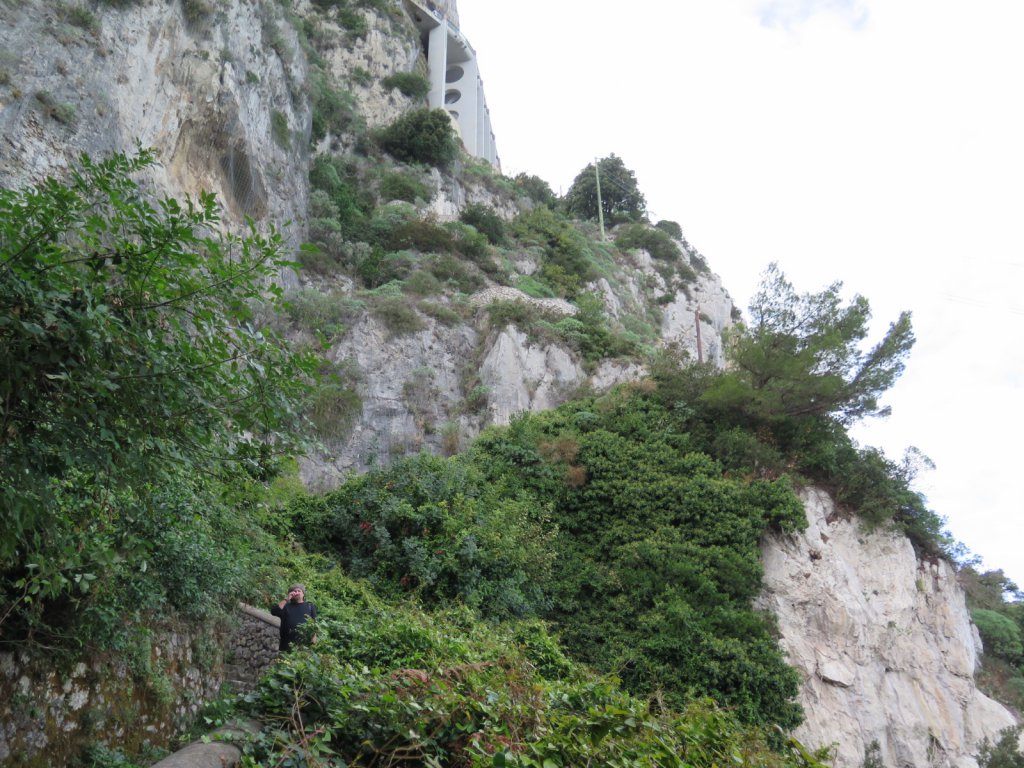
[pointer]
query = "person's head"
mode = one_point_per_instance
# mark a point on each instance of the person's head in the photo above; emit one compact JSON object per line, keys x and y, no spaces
{"x":296,"y":593}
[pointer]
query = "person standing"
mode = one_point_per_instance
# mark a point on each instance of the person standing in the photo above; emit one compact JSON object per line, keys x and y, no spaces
{"x":293,"y":611}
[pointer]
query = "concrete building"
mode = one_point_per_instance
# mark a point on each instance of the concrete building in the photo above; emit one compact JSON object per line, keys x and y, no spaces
{"x":455,"y":83}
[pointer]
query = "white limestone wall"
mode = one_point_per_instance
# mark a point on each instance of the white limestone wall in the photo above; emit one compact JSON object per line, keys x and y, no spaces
{"x":884,"y":643}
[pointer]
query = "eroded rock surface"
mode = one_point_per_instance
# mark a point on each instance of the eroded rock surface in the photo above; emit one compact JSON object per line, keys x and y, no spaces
{"x":884,"y":642}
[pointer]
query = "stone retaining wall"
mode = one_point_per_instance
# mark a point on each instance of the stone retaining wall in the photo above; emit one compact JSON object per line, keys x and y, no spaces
{"x":50,"y":712}
{"x":252,"y":646}
{"x":141,"y":696}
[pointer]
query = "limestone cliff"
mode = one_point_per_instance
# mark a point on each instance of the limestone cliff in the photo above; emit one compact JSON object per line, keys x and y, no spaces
{"x":223,"y":95}
{"x":884,"y":643}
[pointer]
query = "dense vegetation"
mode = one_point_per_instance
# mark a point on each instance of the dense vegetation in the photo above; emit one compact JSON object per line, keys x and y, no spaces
{"x":997,"y":608}
{"x":134,"y":392}
{"x":574,"y":589}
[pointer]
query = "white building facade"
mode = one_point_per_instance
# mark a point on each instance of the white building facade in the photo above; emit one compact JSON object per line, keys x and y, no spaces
{"x":455,"y":83}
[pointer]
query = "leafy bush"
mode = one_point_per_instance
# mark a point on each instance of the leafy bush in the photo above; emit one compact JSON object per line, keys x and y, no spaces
{"x":130,"y":374}
{"x":1005,"y":752}
{"x":1000,"y":634}
{"x":60,"y":111}
{"x":326,"y":313}
{"x":279,"y":129}
{"x":339,"y":180}
{"x":440,"y":312}
{"x":334,"y":407}
{"x":432,"y":526}
{"x":196,"y":11}
{"x":422,"y":136}
{"x":411,"y":84}
{"x":77,"y":16}
{"x":659,"y":553}
{"x":380,"y":268}
{"x":566,"y":265}
{"x":421,"y":283}
{"x":485,"y":220}
{"x":334,"y":111}
{"x":398,"y":316}
{"x":449,"y":269}
{"x":655,"y":241}
{"x":533,"y":287}
{"x":536,"y":189}
{"x":671,"y":228}
{"x":403,"y":186}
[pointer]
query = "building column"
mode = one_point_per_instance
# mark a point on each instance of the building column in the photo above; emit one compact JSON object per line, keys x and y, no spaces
{"x":468,"y":106}
{"x":437,"y":64}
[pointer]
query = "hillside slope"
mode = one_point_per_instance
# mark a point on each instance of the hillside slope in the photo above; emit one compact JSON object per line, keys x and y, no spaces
{"x":432,"y":334}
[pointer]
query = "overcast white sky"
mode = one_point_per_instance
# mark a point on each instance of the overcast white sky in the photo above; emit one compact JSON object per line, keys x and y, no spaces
{"x":877,"y":142}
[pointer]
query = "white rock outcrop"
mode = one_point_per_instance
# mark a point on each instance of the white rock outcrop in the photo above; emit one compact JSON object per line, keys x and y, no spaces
{"x":884,"y":643}
{"x":522,"y":376}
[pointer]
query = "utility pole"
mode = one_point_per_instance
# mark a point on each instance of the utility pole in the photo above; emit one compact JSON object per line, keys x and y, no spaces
{"x":600,"y":207}
{"x":696,"y":322}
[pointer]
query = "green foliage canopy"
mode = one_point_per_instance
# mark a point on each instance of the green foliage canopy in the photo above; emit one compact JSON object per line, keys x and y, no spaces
{"x":432,"y":526}
{"x":658,"y":552}
{"x":800,"y":355}
{"x":387,"y":684}
{"x":130,"y":373}
{"x":1000,"y":633}
{"x":422,"y":136}
{"x":621,"y":198}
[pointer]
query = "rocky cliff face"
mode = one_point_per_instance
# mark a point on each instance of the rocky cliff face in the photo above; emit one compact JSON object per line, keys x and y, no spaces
{"x":204,"y":93}
{"x":884,"y":642}
{"x":221,"y":91}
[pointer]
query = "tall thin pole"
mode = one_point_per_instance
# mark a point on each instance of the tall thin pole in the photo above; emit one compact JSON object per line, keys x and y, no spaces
{"x":700,"y":346}
{"x":600,"y":207}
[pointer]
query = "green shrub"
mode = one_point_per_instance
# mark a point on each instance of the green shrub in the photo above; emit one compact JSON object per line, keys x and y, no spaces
{"x":485,"y":220}
{"x":440,"y":312}
{"x":566,"y":253}
{"x":353,"y":22}
{"x":62,"y":112}
{"x":196,"y":10}
{"x":422,"y":136}
{"x":1005,"y":752}
{"x":655,"y":241}
{"x":325,"y":313}
{"x":130,"y":472}
{"x":339,"y":180}
{"x":421,"y":283}
{"x":471,"y":244}
{"x":671,"y":228}
{"x":659,"y":557}
{"x":411,"y":84}
{"x":431,"y":526}
{"x":536,"y":189}
{"x":423,"y":235}
{"x":531,"y":286}
{"x":334,"y":407}
{"x":477,"y":398}
{"x":334,"y":110}
{"x":279,"y":129}
{"x":404,"y":186}
{"x":77,"y":16}
{"x":379,"y":267}
{"x":398,"y":316}
{"x":361,"y":76}
{"x":448,"y":269}
{"x":518,"y":313}
{"x":1000,"y":634}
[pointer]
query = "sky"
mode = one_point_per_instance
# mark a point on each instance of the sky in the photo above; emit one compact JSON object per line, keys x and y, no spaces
{"x":875,"y":142}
